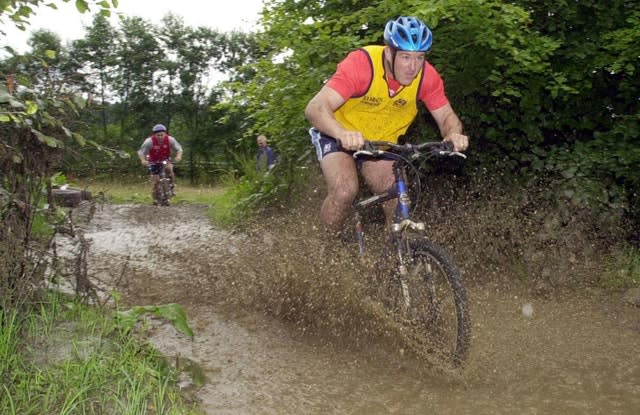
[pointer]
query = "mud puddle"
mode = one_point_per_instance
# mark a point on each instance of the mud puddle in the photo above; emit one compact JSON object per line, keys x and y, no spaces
{"x":282,"y":328}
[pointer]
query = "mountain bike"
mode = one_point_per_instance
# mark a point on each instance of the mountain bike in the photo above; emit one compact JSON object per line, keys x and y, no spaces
{"x":164,"y":191}
{"x":420,"y":285}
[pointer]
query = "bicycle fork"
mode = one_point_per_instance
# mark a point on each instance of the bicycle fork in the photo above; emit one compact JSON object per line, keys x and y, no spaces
{"x":402,"y":267}
{"x":360,"y":233}
{"x":403,"y":272}
{"x":401,"y":222}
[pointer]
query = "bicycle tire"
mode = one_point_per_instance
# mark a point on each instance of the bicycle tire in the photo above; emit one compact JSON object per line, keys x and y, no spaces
{"x":163,"y":193}
{"x":437,"y":313}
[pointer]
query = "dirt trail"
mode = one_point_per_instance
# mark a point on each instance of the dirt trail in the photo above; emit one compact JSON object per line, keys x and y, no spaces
{"x":282,"y":328}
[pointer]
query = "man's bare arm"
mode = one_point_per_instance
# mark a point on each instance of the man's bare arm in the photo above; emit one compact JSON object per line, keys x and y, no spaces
{"x":320,"y":113}
{"x":450,"y":127}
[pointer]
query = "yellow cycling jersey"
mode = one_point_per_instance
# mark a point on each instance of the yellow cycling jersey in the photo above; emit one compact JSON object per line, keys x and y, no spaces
{"x":377,"y":114}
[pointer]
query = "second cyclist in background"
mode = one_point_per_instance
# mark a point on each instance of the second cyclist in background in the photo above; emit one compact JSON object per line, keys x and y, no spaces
{"x":156,"y":149}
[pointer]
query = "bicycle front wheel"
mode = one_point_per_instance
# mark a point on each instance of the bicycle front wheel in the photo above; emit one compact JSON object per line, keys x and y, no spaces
{"x":164,"y":192}
{"x":432,"y":299}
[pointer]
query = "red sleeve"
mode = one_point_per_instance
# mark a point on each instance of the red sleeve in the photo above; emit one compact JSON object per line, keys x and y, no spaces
{"x":432,"y":89}
{"x":353,"y":75}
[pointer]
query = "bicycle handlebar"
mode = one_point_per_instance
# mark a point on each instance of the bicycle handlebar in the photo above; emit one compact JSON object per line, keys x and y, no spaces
{"x":168,"y":161}
{"x":433,"y":148}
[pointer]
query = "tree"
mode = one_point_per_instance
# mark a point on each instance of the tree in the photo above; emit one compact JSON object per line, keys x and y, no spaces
{"x":184,"y":87}
{"x":35,"y":111}
{"x":95,"y":55}
{"x":18,"y":12}
{"x":140,"y":56}
{"x":591,"y":131}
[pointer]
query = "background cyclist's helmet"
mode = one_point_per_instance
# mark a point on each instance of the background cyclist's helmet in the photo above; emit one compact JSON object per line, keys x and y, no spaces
{"x":159,"y":127}
{"x":408,"y":34}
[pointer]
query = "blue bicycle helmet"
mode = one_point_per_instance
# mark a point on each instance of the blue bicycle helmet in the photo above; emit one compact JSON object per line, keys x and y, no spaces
{"x":408,"y":34}
{"x":159,"y":127}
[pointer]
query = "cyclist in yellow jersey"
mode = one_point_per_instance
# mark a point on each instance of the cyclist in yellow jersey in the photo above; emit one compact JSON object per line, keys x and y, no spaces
{"x":373,"y":95}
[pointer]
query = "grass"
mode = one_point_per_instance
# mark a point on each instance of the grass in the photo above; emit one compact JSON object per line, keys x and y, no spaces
{"x":64,"y":358}
{"x":220,"y":199}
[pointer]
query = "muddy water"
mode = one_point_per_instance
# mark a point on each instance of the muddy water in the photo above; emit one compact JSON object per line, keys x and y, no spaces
{"x":283,"y":327}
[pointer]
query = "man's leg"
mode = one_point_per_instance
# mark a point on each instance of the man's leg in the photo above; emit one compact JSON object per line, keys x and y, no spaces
{"x":155,"y":179}
{"x":341,"y":177}
{"x":378,"y":174}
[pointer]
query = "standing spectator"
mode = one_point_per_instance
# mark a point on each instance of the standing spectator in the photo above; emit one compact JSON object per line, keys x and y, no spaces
{"x":265,"y":157}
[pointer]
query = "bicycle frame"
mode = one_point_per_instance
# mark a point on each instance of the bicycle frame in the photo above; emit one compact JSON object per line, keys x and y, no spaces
{"x":402,"y":214}
{"x":161,"y":189}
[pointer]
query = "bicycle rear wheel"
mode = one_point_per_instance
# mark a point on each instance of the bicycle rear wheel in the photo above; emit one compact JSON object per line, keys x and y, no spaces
{"x":431,"y":300}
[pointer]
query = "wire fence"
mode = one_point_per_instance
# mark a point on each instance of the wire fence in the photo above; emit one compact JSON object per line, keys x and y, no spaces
{"x":194,"y":171}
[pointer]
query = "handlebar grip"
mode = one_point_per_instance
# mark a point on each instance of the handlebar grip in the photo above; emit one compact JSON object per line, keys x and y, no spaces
{"x":447,"y":146}
{"x":369,"y":146}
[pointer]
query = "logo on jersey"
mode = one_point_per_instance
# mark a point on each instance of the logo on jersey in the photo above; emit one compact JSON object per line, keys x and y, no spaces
{"x":399,"y":103}
{"x":373,"y":101}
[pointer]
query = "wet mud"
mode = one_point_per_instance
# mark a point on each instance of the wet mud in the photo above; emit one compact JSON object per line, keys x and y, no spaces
{"x":285,"y":323}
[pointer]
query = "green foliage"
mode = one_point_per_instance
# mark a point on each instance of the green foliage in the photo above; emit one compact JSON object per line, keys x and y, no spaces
{"x":294,"y":71}
{"x":39,"y":111}
{"x":42,"y":116}
{"x":591,"y":127}
{"x":42,"y":226}
{"x":20,"y":11}
{"x":246,"y":190}
{"x":39,"y":115}
{"x":85,"y":374}
{"x":58,"y":179}
{"x":149,"y":73}
{"x":623,"y":271}
{"x":34,"y":133}
{"x":608,"y":158}
{"x":497,"y":72}
{"x":174,"y":313}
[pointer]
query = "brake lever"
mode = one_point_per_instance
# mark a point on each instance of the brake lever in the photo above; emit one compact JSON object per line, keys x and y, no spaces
{"x":372,"y":153}
{"x":447,"y":153}
{"x":457,"y":153}
{"x":368,"y":149}
{"x":368,"y":146}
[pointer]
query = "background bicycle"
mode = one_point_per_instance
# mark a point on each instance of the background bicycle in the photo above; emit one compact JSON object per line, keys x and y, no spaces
{"x":164,"y":190}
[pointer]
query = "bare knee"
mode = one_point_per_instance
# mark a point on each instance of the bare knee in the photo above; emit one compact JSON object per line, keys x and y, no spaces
{"x":337,"y":206}
{"x":343,"y":194}
{"x":341,"y":177}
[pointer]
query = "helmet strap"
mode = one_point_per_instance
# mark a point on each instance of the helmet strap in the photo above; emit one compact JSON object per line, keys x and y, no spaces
{"x":393,"y":61}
